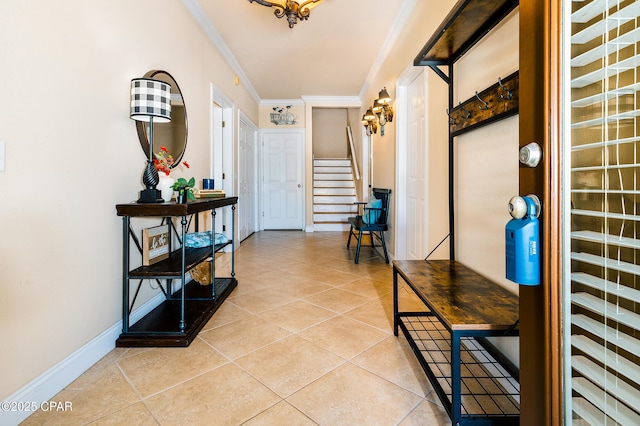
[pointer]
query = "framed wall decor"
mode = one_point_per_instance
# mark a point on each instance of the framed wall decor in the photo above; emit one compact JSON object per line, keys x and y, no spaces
{"x":155,"y":244}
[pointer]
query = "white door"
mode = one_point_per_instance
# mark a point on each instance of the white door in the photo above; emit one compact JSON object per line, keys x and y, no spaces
{"x":416,"y":167}
{"x":283,"y":192}
{"x":222,"y":165}
{"x":247,"y":179}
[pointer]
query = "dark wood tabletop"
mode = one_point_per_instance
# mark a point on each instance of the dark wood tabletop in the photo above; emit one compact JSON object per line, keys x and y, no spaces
{"x":172,"y":208}
{"x":460,"y":297}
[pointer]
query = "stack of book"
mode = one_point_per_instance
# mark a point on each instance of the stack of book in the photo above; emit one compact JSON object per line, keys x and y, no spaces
{"x":209,"y":193}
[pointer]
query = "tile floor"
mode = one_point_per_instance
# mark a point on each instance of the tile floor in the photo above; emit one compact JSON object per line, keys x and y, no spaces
{"x":306,"y":338}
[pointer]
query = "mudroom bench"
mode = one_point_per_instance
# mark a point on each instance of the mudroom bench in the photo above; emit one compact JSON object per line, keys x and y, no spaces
{"x":474,"y":382}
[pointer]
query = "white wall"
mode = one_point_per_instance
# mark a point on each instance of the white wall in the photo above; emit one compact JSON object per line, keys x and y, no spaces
{"x":329,"y":133}
{"x":72,"y":154}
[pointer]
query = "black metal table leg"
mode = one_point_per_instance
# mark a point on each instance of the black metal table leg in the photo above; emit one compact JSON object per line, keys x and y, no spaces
{"x":183,"y":274}
{"x":125,"y":274}
{"x":395,"y":301}
{"x":233,"y":241}
{"x":456,"y":382}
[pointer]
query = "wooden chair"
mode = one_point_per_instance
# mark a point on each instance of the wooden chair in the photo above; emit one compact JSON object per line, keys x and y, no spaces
{"x":373,"y":221}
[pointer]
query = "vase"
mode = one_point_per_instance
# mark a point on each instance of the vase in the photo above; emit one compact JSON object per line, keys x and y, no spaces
{"x":181,"y":196}
{"x":165,"y":186}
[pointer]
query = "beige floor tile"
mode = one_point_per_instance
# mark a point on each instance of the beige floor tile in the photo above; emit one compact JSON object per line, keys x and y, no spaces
{"x":224,"y":396}
{"x":110,"y":392}
{"x":280,"y":414}
{"x":369,"y":267}
{"x":246,"y":268}
{"x":97,"y":370}
{"x":343,"y":336}
{"x":56,"y":417}
{"x":427,"y":414}
{"x":289,"y":364}
{"x":409,"y":302}
{"x":297,"y":316}
{"x":302,"y":287}
{"x":243,"y":336}
{"x":369,"y":287}
{"x":350,"y":395}
{"x":263,"y":300}
{"x":337,"y":300}
{"x":249,"y":285}
{"x":392,"y":359}
{"x":335,"y":277}
{"x":272,"y":277}
{"x":227,"y":313}
{"x":158,"y":369}
{"x":134,"y":415}
{"x":376,"y":313}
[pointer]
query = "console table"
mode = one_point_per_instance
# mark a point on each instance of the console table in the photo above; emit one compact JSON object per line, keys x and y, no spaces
{"x":183,"y":313}
{"x":464,"y":307}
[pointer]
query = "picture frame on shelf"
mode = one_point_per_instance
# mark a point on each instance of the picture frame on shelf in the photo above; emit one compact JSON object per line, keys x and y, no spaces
{"x":155,"y":244}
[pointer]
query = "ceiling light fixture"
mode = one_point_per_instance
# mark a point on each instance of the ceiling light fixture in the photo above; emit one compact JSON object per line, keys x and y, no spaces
{"x":291,"y":9}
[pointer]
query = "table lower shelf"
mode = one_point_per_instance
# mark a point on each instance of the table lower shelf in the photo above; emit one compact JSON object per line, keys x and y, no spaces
{"x":489,"y":394}
{"x":160,"y":327}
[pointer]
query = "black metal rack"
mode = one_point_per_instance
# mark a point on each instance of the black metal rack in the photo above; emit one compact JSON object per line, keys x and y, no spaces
{"x":183,"y":313}
{"x":467,"y":23}
{"x":473,"y":383}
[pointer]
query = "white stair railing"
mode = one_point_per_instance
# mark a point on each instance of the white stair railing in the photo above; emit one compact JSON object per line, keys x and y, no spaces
{"x":352,"y":155}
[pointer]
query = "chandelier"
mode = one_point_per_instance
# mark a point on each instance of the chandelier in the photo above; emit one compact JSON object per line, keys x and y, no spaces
{"x":291,"y":9}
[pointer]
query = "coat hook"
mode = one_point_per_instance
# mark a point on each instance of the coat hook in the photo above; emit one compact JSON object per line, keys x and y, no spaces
{"x":484,"y":105}
{"x":467,"y":113}
{"x":451,"y":119}
{"x":509,"y":94}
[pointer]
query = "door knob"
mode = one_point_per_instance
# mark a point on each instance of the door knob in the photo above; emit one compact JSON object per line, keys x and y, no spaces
{"x":299,"y":186}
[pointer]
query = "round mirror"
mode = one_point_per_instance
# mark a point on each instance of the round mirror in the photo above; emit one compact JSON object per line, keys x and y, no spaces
{"x":171,"y":135}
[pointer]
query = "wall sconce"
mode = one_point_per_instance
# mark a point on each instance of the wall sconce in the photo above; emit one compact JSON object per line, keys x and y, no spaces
{"x":150,"y":101}
{"x":382,"y":109}
{"x":369,"y":122}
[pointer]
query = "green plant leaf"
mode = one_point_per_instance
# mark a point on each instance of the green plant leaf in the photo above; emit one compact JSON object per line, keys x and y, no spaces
{"x":192,"y":182}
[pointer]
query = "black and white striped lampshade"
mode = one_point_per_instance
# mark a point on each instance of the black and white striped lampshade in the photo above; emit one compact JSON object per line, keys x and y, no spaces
{"x":150,"y":98}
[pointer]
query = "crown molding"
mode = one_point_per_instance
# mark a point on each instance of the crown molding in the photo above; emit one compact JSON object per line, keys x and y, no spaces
{"x":401,"y":19}
{"x":193,"y":6}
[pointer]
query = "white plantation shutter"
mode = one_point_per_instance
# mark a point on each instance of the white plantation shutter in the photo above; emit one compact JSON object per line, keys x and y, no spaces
{"x":602,"y":286}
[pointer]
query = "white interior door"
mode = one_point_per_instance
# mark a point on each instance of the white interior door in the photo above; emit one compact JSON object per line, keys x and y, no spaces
{"x":247,"y":179}
{"x":283,"y":192}
{"x":416,"y":167}
{"x":223,"y":168}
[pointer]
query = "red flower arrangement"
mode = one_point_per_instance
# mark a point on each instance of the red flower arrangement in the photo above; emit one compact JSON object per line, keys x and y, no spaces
{"x":164,"y":161}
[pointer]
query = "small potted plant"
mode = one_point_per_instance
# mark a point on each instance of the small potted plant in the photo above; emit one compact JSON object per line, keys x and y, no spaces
{"x":164,"y":163}
{"x":184,"y":189}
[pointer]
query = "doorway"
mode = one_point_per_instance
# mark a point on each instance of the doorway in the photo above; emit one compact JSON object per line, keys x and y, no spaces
{"x":247,"y":177}
{"x":222,"y":167}
{"x":412,"y":167}
{"x":283,"y":179}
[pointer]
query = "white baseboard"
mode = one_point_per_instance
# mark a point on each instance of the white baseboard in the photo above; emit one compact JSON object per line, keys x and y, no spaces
{"x":54,"y":380}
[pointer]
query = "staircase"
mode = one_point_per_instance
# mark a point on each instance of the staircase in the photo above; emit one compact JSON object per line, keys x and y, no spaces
{"x":334,"y":194}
